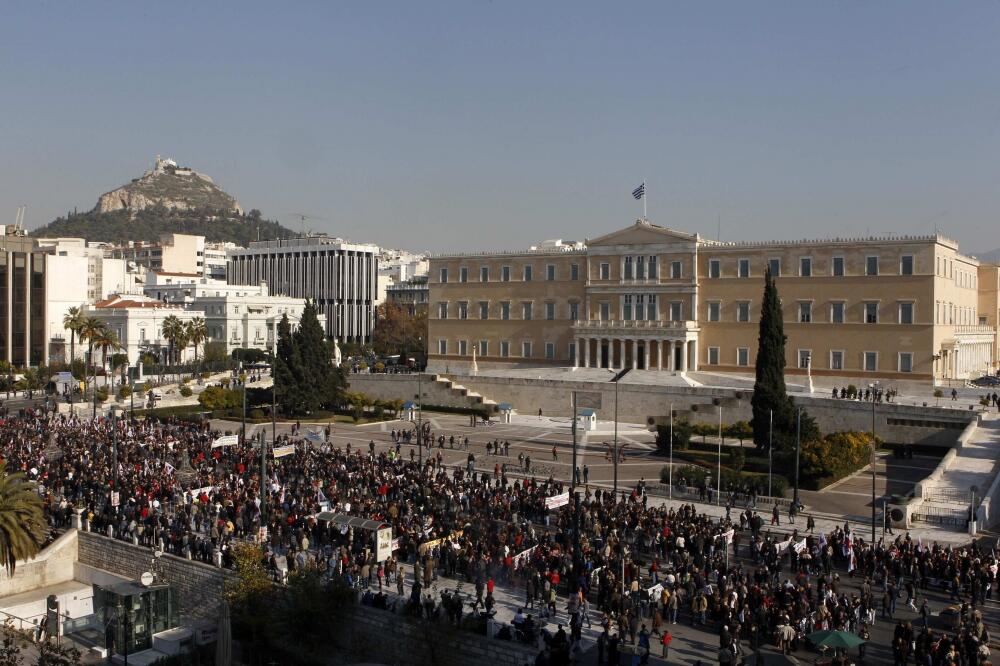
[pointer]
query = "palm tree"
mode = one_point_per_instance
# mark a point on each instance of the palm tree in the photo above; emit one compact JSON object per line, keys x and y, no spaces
{"x":105,"y":340}
{"x":91,"y":328}
{"x":22,"y":524}
{"x":196,"y":334}
{"x":173,"y":331}
{"x":73,"y":320}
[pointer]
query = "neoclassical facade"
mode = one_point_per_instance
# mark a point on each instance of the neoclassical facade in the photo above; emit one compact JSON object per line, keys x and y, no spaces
{"x":653,"y":298}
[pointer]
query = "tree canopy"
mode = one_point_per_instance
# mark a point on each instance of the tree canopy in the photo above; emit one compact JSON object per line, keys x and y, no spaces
{"x":304,"y":375}
{"x":770,"y":395}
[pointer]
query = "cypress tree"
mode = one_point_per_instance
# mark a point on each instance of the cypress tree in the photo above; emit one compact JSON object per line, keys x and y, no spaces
{"x":769,"y":392}
{"x":770,"y":395}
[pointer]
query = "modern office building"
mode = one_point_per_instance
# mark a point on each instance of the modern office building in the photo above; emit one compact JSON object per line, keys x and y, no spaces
{"x":23,"y":279}
{"x":648,"y":297}
{"x":341,"y":277}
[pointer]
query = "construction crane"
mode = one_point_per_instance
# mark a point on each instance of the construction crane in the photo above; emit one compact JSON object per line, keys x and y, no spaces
{"x":305,"y":216}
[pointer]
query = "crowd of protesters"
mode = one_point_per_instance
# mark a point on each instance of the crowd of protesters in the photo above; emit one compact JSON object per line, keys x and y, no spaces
{"x":175,"y":486}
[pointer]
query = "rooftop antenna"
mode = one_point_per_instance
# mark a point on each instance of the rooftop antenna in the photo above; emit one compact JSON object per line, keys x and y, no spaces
{"x":19,"y":218}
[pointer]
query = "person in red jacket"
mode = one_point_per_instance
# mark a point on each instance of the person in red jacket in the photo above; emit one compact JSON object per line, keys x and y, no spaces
{"x":665,"y":642}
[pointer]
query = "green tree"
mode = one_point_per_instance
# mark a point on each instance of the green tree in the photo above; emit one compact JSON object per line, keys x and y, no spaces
{"x":22,"y":524}
{"x":286,"y":369}
{"x":320,"y":382}
{"x":90,"y":329}
{"x":173,"y":333}
{"x":770,"y":395}
{"x":196,"y":333}
{"x":53,"y":654}
{"x":73,"y":321}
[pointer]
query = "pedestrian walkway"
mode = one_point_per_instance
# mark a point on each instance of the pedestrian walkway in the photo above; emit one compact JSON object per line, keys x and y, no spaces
{"x":965,"y":477}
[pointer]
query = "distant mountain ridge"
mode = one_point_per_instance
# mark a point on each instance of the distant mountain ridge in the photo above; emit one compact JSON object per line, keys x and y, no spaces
{"x":166,"y":199}
{"x":991,"y":257}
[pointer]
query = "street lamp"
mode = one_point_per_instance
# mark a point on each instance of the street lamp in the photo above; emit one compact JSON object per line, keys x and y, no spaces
{"x":873,"y":386}
{"x":617,"y":378}
{"x":670,"y":468}
{"x":718,"y":403}
{"x":798,"y":445}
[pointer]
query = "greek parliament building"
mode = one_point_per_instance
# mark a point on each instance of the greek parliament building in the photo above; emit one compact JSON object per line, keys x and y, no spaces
{"x":341,"y":277}
{"x":648,"y":297}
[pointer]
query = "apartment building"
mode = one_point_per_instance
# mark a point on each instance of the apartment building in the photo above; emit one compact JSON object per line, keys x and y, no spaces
{"x":654,"y":298}
{"x":341,"y":277}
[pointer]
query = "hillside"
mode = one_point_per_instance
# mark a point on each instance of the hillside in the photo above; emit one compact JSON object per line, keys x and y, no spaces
{"x":167,"y":198}
{"x":149,"y":223}
{"x":170,"y":186}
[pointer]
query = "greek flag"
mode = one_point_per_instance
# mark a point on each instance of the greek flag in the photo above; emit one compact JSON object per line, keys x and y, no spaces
{"x":639,"y":192}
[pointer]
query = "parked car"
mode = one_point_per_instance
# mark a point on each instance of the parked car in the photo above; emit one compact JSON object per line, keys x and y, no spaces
{"x":986,"y":380}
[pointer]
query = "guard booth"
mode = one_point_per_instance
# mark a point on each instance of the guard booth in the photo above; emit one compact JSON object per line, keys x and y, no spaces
{"x":506,"y":411}
{"x":378,"y":533}
{"x":587,"y":419}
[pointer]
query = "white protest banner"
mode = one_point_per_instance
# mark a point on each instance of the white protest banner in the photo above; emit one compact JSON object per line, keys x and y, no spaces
{"x":518,"y":560}
{"x":783,"y":546}
{"x":281,"y":451}
{"x":655,"y":591}
{"x":557,"y":501}
{"x":314,"y":436}
{"x":728,"y":536}
{"x":226,"y":440}
{"x":800,"y":546}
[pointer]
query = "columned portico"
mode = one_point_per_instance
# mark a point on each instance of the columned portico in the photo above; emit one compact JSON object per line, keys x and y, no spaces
{"x":629,"y":344}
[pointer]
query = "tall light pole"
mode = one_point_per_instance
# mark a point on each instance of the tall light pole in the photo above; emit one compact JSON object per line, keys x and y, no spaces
{"x":670,"y":468}
{"x":873,"y":386}
{"x":798,"y":445}
{"x":617,"y":378}
{"x":770,"y":448}
{"x":718,"y":478}
{"x":420,"y":418}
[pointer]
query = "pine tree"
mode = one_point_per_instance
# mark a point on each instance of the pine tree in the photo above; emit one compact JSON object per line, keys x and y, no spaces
{"x":287,"y":370}
{"x":321,"y":381}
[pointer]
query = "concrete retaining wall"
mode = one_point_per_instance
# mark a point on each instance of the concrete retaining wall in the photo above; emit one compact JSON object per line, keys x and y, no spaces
{"x":52,"y":566}
{"x":923,"y":487}
{"x":638,"y":403}
{"x":197,"y":586}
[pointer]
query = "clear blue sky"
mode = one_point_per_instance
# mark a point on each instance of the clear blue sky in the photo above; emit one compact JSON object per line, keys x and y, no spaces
{"x":468,"y":125}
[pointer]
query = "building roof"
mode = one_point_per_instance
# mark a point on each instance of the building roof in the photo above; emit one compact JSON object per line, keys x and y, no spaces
{"x":194,"y":275}
{"x":117,"y":302}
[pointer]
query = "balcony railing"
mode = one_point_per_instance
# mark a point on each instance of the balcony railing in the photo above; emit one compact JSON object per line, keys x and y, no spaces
{"x":974,"y":329}
{"x":632,"y":324}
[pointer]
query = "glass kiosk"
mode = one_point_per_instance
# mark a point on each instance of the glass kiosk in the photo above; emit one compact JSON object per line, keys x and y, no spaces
{"x":133,"y":613}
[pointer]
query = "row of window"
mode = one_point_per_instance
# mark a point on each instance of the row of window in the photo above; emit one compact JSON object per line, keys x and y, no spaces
{"x":946,"y":269}
{"x":837,"y":312}
{"x":869,"y":360}
{"x":837,"y":266}
{"x":642,"y":267}
{"x":527,"y":273}
{"x":503,"y":349}
{"x":503,"y":310}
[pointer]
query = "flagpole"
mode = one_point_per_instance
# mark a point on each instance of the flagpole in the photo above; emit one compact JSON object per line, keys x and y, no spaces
{"x":644,"y":199}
